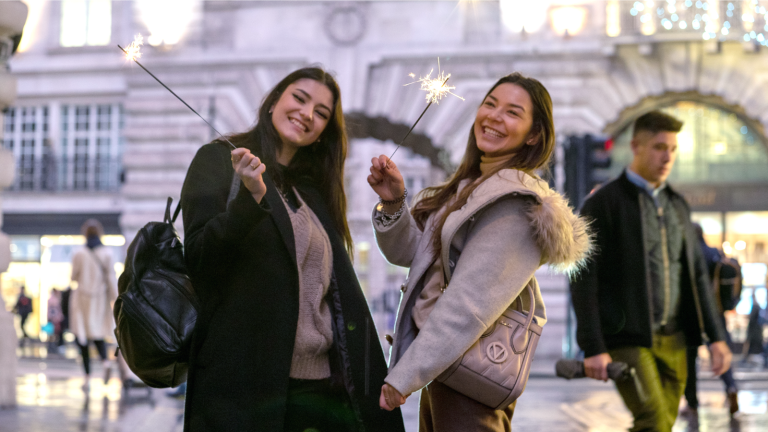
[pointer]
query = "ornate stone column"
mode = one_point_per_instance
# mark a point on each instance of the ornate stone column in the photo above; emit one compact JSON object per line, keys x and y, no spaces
{"x":13,"y":15}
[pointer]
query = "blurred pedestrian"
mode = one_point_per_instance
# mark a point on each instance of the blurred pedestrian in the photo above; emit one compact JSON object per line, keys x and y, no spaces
{"x":713,"y":258}
{"x":646,"y":295}
{"x":65,"y":296}
{"x":498,"y":222}
{"x":754,"y":343}
{"x":55,"y":317}
{"x":91,"y":303}
{"x":23,"y":308}
{"x":284,"y":340}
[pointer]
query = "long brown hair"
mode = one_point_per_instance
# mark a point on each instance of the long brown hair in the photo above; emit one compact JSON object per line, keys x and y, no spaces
{"x":322,"y":162}
{"x":528,"y":159}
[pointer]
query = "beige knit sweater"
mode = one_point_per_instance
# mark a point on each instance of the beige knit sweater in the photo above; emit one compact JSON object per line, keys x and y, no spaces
{"x":314,"y":257}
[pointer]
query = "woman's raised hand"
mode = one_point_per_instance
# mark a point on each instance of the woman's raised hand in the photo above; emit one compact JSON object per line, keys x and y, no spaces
{"x":385,"y":179}
{"x":250,"y":169}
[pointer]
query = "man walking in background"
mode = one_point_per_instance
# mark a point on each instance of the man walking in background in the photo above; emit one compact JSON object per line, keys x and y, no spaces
{"x":645,"y":294}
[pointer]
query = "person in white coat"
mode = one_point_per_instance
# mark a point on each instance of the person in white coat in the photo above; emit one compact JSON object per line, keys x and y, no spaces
{"x":504,"y":221}
{"x":90,"y":309}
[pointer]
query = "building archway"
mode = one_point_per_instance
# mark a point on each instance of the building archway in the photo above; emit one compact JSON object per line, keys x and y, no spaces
{"x":360,"y":125}
{"x":649,"y":103}
{"x":719,"y":145}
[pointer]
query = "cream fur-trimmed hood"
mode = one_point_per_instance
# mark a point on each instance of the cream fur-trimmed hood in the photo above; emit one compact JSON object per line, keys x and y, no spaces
{"x":563,"y":237}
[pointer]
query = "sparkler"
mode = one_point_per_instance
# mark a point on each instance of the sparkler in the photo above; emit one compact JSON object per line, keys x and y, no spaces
{"x":435,"y":87}
{"x":134,"y":51}
{"x":436,"y":90}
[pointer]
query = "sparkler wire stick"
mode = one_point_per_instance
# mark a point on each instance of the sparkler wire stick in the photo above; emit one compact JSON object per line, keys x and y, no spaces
{"x":177,"y":96}
{"x":414,"y":125}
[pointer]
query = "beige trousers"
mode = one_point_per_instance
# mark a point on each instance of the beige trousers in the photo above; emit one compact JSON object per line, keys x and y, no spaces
{"x":442,"y":409}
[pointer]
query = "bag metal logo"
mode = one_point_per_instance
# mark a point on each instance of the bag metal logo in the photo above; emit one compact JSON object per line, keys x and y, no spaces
{"x":496,"y":352}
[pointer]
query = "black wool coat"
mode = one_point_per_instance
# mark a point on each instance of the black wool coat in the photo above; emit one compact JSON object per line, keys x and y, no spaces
{"x":612,"y":295}
{"x":242,"y":261}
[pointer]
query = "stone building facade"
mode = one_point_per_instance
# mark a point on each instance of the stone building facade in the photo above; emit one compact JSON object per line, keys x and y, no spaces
{"x":120,"y":144}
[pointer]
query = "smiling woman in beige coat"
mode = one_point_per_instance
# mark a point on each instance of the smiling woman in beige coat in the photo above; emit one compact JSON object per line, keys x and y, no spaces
{"x":503,"y":220}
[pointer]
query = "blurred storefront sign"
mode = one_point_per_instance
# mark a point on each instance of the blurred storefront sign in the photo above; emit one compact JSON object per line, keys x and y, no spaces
{"x":57,"y":223}
{"x":726,"y":197}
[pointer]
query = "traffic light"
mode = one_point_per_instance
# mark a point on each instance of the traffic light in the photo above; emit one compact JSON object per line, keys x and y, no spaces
{"x":587,"y":159}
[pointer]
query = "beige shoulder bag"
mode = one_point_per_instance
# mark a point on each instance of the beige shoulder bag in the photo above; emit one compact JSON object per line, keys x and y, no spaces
{"x":494,"y":371}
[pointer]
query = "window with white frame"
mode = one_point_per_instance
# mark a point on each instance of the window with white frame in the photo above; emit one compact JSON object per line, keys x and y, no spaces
{"x":85,"y":22}
{"x":80,"y":150}
{"x":90,"y":147}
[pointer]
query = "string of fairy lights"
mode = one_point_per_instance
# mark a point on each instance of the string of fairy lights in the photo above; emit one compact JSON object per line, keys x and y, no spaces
{"x":714,"y":19}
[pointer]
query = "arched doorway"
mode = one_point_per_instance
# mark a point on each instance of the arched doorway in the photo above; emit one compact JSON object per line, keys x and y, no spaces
{"x":716,"y":147}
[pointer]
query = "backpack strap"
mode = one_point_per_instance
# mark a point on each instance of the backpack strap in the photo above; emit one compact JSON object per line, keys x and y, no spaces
{"x":100,"y":264}
{"x":716,"y":285}
{"x":233,"y":189}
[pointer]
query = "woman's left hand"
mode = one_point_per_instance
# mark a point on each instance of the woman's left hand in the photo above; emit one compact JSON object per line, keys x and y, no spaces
{"x":390,"y":398}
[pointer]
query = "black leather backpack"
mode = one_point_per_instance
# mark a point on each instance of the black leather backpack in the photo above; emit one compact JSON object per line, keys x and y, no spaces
{"x":727,"y":283}
{"x":156,"y":309}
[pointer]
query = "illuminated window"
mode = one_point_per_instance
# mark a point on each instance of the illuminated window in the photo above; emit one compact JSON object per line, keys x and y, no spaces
{"x":363,"y":257}
{"x":85,"y":22}
{"x":715,"y":146}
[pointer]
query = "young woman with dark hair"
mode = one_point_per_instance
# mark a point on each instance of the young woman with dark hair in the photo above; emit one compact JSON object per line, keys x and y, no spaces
{"x":285,"y":339}
{"x":502,"y":220}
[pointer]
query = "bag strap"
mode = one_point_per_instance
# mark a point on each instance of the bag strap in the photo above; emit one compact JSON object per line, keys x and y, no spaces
{"x":453,"y":258}
{"x":233,"y":189}
{"x":716,"y":284}
{"x":101,"y":266}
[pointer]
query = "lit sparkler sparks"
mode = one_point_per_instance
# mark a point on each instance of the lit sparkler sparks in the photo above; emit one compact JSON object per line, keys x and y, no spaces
{"x":134,"y":49}
{"x":133,"y":52}
{"x":435,"y":87}
{"x":436,"y":90}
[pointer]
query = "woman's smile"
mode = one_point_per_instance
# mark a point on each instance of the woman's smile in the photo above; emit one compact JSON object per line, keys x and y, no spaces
{"x":299,"y":125}
{"x":492,"y":133}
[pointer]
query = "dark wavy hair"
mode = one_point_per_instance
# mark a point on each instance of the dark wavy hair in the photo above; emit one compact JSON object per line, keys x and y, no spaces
{"x":321,"y":163}
{"x":528,"y":159}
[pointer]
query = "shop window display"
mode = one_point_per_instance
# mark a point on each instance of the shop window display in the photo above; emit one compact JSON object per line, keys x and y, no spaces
{"x":42,"y":263}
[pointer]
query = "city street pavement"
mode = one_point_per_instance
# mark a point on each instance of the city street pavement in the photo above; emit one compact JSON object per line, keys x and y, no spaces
{"x":51,"y":399}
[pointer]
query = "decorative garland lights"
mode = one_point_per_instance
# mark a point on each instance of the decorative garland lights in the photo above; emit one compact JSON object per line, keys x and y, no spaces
{"x":749,"y":17}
